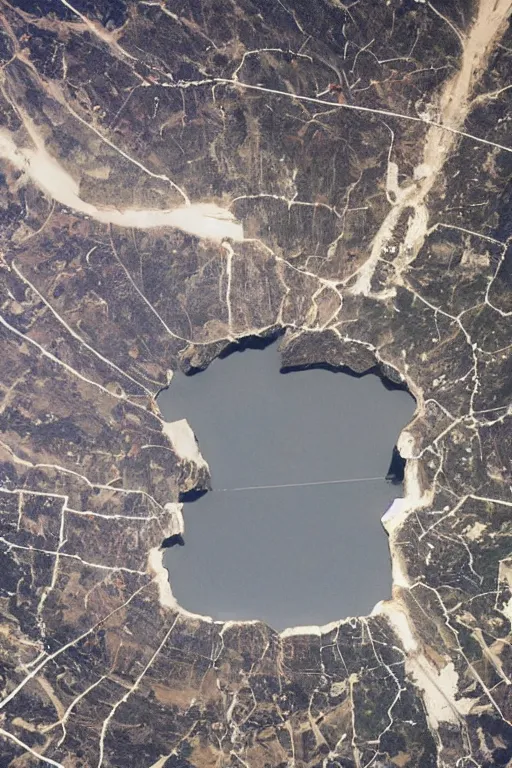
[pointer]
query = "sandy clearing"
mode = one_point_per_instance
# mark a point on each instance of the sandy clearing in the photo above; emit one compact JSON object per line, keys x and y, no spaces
{"x":205,"y":220}
{"x":184,"y":441}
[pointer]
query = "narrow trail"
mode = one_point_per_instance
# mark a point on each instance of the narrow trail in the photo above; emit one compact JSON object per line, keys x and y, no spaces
{"x":298,"y":485}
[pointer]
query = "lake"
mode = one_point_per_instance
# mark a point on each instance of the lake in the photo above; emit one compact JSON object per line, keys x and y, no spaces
{"x":308,"y":553}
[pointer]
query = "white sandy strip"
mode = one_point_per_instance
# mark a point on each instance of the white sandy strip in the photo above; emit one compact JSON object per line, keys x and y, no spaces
{"x":177,"y":524}
{"x":313,"y":629}
{"x":183,"y":441}
{"x":161,"y":579}
{"x":206,"y":220}
{"x":395,"y":514}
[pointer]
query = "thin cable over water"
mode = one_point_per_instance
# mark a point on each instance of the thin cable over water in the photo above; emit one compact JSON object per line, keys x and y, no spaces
{"x":297,"y":485}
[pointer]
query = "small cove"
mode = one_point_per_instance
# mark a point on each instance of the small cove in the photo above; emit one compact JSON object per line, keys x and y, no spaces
{"x":294,"y":555}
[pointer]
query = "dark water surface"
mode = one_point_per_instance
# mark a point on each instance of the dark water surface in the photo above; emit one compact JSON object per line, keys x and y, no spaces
{"x":297,"y":555}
